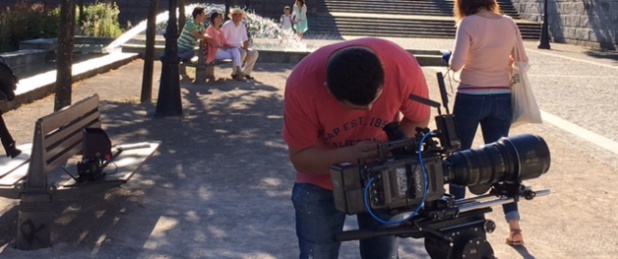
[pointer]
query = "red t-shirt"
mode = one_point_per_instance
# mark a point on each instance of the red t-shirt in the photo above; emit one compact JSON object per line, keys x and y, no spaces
{"x":313,"y":117}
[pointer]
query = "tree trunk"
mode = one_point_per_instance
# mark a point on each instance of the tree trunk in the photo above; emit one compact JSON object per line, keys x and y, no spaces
{"x":82,"y":16}
{"x":64,"y":60}
{"x":151,"y":27}
{"x":182,"y":18}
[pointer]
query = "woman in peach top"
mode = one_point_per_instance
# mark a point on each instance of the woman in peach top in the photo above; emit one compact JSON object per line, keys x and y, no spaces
{"x":220,"y":49}
{"x":483,"y":49}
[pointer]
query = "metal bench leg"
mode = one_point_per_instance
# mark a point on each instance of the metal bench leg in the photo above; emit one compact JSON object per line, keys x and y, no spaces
{"x":210,"y":72}
{"x":200,"y":74}
{"x":182,"y":69}
{"x":35,"y":221}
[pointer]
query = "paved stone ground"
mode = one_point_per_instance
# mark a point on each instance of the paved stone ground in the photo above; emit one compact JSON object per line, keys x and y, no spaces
{"x":220,"y":183}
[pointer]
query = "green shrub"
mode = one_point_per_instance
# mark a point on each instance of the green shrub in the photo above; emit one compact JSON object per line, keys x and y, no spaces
{"x":25,"y":21}
{"x":101,"y":20}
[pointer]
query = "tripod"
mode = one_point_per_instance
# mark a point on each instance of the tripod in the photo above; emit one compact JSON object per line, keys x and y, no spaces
{"x":451,"y":228}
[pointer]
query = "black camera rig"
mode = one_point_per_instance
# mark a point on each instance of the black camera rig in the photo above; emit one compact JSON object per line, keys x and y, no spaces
{"x":409,"y":177}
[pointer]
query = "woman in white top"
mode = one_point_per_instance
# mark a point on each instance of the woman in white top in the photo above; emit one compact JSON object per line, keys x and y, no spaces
{"x":300,"y":18}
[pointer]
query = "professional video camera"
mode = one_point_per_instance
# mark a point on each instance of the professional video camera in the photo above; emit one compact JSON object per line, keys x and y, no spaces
{"x":409,"y":175}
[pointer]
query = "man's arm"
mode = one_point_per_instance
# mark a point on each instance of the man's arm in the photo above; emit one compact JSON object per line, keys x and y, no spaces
{"x":202,"y":36}
{"x":315,"y":160}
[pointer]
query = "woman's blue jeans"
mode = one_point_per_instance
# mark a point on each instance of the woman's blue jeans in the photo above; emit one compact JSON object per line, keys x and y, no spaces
{"x":317,"y":222}
{"x":494,"y":113}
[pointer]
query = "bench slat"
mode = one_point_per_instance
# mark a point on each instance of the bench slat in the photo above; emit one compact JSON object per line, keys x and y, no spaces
{"x":7,"y":164}
{"x":60,"y":154}
{"x":15,"y":176}
{"x":216,"y":62}
{"x":14,"y":169}
{"x":59,"y":119}
{"x":91,"y":121}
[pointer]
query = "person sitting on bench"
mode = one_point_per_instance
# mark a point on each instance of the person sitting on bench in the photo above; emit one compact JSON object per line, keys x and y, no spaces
{"x":220,"y":49}
{"x":192,"y":31}
{"x":236,"y":35}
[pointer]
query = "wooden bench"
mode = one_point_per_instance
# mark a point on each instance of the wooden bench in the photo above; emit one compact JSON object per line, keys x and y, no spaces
{"x":39,"y":175}
{"x":203,"y":71}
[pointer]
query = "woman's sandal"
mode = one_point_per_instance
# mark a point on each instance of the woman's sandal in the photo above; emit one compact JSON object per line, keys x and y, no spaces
{"x":512,"y":242}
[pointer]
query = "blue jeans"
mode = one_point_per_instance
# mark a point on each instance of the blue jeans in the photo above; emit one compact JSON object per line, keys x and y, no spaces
{"x":494,"y":113}
{"x":317,"y":221}
{"x":187,"y":55}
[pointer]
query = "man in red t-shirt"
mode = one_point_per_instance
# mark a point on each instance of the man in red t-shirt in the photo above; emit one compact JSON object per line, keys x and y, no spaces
{"x":337,"y":100}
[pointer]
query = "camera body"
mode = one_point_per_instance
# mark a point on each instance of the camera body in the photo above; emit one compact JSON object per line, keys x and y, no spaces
{"x":397,"y":184}
{"x":90,"y":169}
{"x":96,"y":153}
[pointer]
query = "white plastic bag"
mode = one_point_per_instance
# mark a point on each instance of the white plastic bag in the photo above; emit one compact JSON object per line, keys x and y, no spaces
{"x":525,"y":108}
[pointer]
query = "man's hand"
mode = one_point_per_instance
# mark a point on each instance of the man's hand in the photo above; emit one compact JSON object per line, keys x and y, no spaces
{"x":364,"y":151}
{"x":210,"y":40}
{"x":446,"y":56}
{"x":317,"y":160}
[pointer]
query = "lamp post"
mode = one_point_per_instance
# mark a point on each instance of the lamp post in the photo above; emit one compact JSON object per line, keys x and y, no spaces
{"x":227,"y":10}
{"x":169,"y":102}
{"x":544,"y":44}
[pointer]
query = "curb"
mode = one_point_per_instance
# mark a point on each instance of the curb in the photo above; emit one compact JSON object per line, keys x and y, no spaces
{"x":37,"y":87}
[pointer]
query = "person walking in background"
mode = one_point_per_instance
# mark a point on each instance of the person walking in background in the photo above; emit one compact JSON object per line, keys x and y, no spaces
{"x":220,"y":49}
{"x":285,"y":22}
{"x":193,"y":31}
{"x":300,"y":18}
{"x":8,"y":85}
{"x":484,"y":93}
{"x":236,"y":36}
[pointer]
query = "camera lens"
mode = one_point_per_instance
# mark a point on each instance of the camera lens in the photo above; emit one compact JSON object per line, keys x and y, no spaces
{"x":508,"y":159}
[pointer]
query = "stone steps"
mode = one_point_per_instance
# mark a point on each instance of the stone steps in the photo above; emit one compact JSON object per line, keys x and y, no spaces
{"x":395,"y":18}
{"x":414,"y":7}
{"x":324,"y":25}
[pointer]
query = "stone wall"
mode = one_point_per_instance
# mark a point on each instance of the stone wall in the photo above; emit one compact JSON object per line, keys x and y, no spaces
{"x":592,"y":23}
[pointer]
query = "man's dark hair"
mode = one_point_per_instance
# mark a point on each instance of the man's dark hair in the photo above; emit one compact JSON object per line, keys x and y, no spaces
{"x":197,"y":11}
{"x":354,"y":75}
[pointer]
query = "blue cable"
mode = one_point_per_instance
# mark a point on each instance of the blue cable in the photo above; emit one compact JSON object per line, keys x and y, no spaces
{"x":420,"y":205}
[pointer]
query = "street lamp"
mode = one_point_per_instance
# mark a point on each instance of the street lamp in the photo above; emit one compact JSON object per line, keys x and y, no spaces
{"x":169,"y":102}
{"x":227,"y":10}
{"x":544,"y":44}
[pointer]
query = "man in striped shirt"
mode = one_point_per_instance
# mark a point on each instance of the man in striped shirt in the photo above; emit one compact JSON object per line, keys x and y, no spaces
{"x":193,"y":31}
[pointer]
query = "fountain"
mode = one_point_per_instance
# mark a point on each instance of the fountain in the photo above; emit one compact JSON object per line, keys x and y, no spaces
{"x":267,"y":37}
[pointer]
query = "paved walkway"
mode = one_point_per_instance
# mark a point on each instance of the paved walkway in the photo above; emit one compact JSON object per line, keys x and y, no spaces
{"x":220,"y":184}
